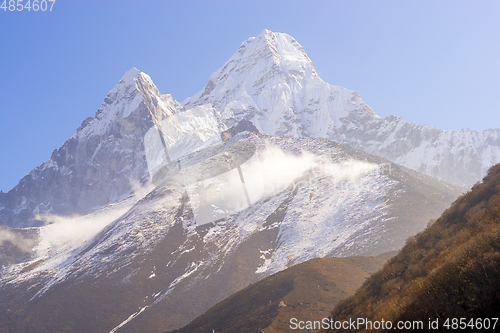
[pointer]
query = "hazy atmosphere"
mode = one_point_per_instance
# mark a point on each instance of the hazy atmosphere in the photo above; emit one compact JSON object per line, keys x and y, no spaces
{"x":237,"y":166}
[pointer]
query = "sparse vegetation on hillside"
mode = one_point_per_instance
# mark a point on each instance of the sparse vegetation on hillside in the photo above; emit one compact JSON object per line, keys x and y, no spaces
{"x":449,"y":270}
{"x":301,"y":291}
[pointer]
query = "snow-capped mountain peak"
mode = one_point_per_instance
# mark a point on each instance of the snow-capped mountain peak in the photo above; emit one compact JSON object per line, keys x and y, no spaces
{"x":268,"y":57}
{"x":286,"y":51}
{"x":131,"y":76}
{"x":125,"y":98}
{"x":337,"y":201}
{"x":271,"y":82}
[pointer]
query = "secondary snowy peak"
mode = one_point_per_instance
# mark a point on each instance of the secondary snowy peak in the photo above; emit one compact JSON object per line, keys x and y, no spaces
{"x":134,"y":88}
{"x":100,"y":162}
{"x":271,"y":81}
{"x":459,"y":157}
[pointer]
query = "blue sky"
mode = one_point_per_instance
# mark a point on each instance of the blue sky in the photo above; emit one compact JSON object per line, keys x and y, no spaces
{"x":430,"y":62}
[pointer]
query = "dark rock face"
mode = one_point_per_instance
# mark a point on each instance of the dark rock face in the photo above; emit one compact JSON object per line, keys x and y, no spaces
{"x":98,"y":164}
{"x":243,"y":126}
{"x":16,"y":245}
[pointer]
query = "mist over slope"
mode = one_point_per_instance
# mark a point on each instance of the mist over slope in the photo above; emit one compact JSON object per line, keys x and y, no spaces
{"x":155,"y":268}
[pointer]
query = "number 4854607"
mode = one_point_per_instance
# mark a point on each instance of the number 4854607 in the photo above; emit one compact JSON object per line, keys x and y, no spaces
{"x":20,"y":5}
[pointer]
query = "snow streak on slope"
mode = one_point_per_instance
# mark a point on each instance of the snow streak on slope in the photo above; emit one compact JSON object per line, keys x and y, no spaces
{"x":271,"y":82}
{"x":316,"y":225}
{"x":67,"y":246}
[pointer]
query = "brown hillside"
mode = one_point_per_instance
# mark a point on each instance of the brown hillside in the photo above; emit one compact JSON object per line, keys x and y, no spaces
{"x":449,"y":270}
{"x":304,"y":291}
